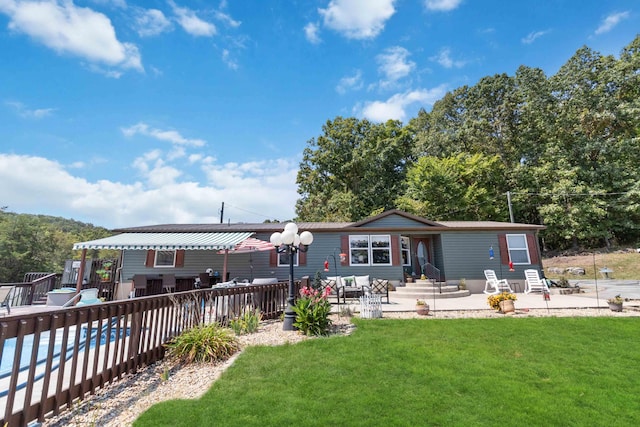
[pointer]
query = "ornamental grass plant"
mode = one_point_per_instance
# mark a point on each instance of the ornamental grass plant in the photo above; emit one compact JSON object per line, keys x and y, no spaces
{"x":203,"y":343}
{"x":554,"y":371}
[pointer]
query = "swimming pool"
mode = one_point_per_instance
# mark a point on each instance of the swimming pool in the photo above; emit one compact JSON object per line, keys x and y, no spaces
{"x":9,"y":351}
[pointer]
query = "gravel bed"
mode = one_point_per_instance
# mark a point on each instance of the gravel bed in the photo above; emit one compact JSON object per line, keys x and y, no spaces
{"x":119,"y":404}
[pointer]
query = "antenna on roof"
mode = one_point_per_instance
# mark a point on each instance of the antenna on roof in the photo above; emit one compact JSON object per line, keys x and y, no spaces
{"x":222,"y":213}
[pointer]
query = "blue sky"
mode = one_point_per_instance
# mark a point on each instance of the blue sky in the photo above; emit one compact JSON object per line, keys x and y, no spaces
{"x":123,"y":113}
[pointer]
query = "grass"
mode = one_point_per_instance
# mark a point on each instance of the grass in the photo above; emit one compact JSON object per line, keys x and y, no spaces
{"x":625,"y":265}
{"x":510,"y":371}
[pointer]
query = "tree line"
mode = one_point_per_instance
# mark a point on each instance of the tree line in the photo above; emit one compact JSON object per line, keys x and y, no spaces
{"x":566,"y":148}
{"x":41,"y":243}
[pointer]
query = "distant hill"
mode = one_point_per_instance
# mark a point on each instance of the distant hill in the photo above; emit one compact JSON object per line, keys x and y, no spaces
{"x":31,"y":243}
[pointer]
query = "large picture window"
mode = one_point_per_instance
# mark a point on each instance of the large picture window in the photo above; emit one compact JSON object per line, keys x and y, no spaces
{"x":518,"y":249}
{"x":165,"y":259}
{"x":370,"y":250}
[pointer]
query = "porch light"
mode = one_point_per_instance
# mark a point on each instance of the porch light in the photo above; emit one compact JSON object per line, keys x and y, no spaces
{"x":289,"y":242}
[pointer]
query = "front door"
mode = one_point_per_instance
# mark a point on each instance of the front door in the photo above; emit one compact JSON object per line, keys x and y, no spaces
{"x":422,"y":254}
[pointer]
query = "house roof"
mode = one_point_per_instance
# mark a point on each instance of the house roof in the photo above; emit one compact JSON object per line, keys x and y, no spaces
{"x":167,"y":241}
{"x":368,"y":224}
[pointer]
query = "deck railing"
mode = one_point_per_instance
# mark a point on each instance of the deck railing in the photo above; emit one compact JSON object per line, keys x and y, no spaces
{"x":33,"y":289}
{"x":52,"y":359}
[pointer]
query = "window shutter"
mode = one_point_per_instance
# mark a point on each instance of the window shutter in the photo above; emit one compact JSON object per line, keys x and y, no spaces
{"x":504,"y":250}
{"x":395,"y":250}
{"x":532,"y":243}
{"x":151,"y":258}
{"x":344,"y":247}
{"x":302,"y":258}
{"x":180,"y":258}
{"x":273,"y":258}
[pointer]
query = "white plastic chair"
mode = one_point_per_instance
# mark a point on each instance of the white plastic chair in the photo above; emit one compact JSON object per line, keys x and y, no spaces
{"x":534,"y":283}
{"x":494,"y":286}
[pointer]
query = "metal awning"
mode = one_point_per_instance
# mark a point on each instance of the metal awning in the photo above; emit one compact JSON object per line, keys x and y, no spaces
{"x":166,"y":241}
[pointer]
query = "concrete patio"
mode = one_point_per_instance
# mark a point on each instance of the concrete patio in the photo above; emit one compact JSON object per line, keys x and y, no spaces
{"x":589,"y":298}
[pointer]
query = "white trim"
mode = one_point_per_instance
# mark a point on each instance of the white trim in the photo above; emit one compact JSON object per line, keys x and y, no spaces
{"x":519,"y":249}
{"x":155,"y":259}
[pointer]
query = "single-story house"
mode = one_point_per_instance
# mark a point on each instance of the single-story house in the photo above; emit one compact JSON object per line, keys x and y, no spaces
{"x":392,"y":245}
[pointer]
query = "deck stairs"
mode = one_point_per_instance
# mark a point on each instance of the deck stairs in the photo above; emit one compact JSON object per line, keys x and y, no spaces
{"x":429,"y":289}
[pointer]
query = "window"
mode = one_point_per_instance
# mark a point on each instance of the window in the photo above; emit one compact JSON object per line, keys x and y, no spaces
{"x":165,"y":259}
{"x":370,"y":250}
{"x":359,"y":250}
{"x":518,"y":249}
{"x":283,"y":259}
{"x":405,"y":250}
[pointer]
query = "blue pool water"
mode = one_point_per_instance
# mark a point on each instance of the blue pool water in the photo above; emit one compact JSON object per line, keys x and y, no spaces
{"x":8,"y":353}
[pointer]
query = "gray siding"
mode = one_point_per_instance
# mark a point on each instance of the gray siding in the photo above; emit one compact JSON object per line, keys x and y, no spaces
{"x":466,"y":255}
{"x":394,"y":221}
{"x":240,"y":265}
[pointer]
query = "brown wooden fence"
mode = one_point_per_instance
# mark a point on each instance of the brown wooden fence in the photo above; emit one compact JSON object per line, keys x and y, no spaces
{"x":58,"y":357}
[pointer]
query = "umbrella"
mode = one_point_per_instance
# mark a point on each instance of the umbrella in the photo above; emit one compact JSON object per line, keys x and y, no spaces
{"x":250,"y":245}
{"x":247,"y":246}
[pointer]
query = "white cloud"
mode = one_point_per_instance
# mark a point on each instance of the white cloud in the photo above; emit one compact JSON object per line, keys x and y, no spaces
{"x":74,"y":30}
{"x":531,"y":37}
{"x":444,"y":59}
{"x":611,"y":21}
{"x":227,"y":19}
{"x":348,"y":83}
{"x":252,"y":192}
{"x":227,"y":59}
{"x":151,"y":22}
{"x":442,"y":5}
{"x":27,"y":113}
{"x":357,"y":19}
{"x":395,"y":107}
{"x":311,"y":33}
{"x":394,"y":64}
{"x":171,"y":136}
{"x":191,"y":23}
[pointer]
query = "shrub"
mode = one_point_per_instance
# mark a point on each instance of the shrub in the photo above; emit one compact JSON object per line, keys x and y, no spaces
{"x":312,"y":311}
{"x":203,"y":343}
{"x":247,"y":323}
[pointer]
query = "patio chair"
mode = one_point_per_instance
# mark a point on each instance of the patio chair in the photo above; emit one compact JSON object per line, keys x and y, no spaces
{"x":5,"y":297}
{"x":168,"y":283}
{"x":86,"y":297}
{"x":493,"y":285}
{"x":534,"y":283}
{"x":379,"y":287}
{"x":334,"y":284}
{"x":140,"y":285}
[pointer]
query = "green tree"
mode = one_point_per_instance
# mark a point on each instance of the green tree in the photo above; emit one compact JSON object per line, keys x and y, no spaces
{"x":461,"y":187}
{"x":354,"y":168}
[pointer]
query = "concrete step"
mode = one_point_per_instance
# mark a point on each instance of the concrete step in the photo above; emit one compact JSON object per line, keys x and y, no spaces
{"x":427,"y":289}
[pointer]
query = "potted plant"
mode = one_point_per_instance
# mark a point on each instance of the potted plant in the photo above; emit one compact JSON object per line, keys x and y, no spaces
{"x":502,"y":302}
{"x":615,"y":303}
{"x":104,"y":275}
{"x":422,"y":307}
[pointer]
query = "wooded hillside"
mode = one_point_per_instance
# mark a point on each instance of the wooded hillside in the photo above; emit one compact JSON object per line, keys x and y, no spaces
{"x":566,"y":148}
{"x":40,"y":243}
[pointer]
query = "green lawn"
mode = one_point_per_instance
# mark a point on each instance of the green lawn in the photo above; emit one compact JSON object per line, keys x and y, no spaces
{"x":465,"y":372}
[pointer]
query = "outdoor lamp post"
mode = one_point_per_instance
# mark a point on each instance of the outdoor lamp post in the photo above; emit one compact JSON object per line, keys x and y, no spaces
{"x":290,"y":242}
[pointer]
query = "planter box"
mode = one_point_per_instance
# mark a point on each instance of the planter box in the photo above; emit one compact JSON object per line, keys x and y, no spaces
{"x":60,"y":297}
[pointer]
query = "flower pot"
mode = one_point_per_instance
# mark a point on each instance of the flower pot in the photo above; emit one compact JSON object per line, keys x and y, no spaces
{"x":422,"y":310}
{"x":615,"y":307}
{"x":507,"y":306}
